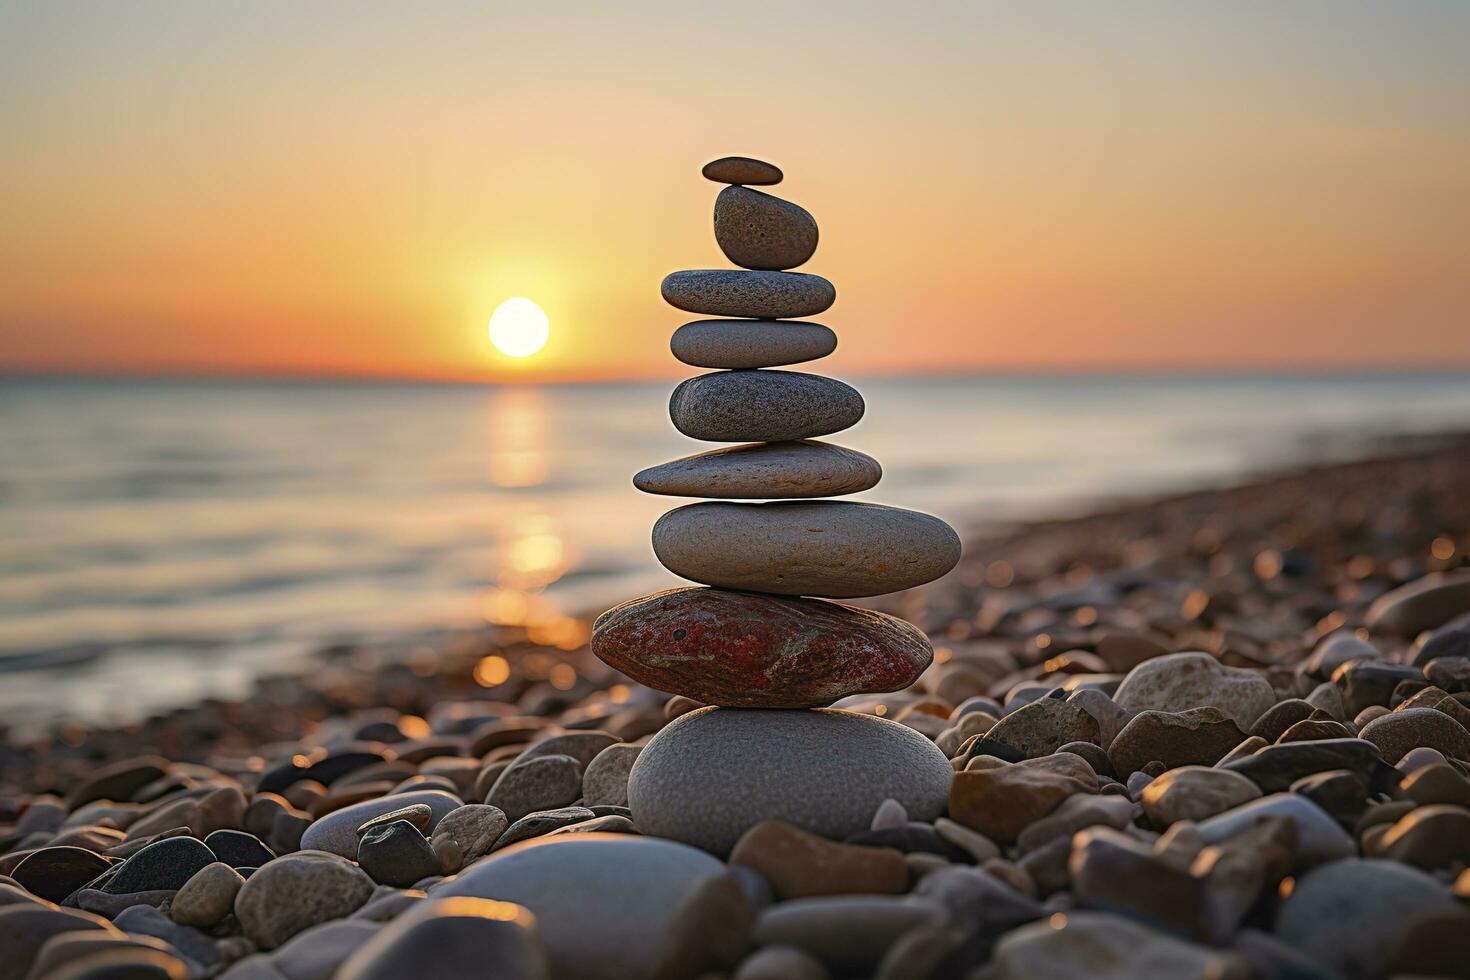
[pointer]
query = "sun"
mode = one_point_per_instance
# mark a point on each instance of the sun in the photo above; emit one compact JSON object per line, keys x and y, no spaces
{"x":519,"y":328}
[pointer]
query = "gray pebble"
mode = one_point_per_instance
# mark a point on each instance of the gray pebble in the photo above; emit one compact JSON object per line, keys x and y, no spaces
{"x":751,"y":343}
{"x":748,"y":293}
{"x":833,"y":549}
{"x":765,"y":471}
{"x":761,"y":231}
{"x":763,"y":406}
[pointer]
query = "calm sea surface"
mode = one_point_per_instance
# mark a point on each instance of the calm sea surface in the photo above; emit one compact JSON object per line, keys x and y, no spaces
{"x":161,"y":541}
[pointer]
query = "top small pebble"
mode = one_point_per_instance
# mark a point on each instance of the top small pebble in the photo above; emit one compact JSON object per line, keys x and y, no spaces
{"x":741,"y":170}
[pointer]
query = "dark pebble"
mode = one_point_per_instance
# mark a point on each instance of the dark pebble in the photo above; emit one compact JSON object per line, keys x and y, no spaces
{"x":1094,"y":756}
{"x":1279,"y":717}
{"x":1448,"y":642}
{"x":120,"y":780}
{"x":238,"y":849}
{"x":53,"y":873}
{"x":325,"y":770}
{"x":542,"y":822}
{"x":1341,"y":792}
{"x":914,"y":837}
{"x":1364,"y":684}
{"x":396,"y":854}
{"x":1275,"y":767}
{"x":163,"y":864}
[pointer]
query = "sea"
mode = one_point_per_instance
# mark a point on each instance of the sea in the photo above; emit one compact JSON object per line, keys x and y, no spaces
{"x":162,"y":541}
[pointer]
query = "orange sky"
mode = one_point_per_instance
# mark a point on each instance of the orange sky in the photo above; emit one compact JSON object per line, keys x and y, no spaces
{"x":353,"y":188}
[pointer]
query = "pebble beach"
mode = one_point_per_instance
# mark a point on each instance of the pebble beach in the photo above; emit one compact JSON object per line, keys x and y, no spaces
{"x":1217,"y":735}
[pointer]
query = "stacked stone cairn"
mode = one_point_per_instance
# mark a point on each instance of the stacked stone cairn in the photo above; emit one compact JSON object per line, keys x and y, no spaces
{"x":762,"y":642}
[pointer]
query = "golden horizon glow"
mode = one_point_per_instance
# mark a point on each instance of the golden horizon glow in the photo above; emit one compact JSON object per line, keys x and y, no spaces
{"x":1189,"y":187}
{"x":519,"y":327}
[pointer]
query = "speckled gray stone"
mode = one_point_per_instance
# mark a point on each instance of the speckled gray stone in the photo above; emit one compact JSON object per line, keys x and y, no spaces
{"x":712,"y":774}
{"x":765,"y":470}
{"x":744,"y":292}
{"x":473,"y":828}
{"x":763,"y":406}
{"x":611,"y":906}
{"x":605,"y":780}
{"x":741,"y":170}
{"x":297,"y":891}
{"x":543,"y":783}
{"x":1180,"y":681}
{"x":337,"y":831}
{"x":751,"y":343}
{"x":760,"y":231}
{"x":1401,"y":731}
{"x":831,"y":549}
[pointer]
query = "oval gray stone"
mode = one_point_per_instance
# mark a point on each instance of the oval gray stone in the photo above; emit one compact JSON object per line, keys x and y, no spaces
{"x":743,"y":292}
{"x":612,"y":906}
{"x":297,"y":891}
{"x":1350,"y":914}
{"x":763,"y":406}
{"x":832,"y":549}
{"x":751,"y":343}
{"x":761,"y":231}
{"x":712,"y":774}
{"x":764,"y":470}
{"x":337,"y":831}
{"x":741,"y":170}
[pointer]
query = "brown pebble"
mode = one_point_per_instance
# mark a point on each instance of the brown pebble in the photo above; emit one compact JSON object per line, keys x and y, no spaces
{"x":741,"y":170}
{"x":799,"y":864}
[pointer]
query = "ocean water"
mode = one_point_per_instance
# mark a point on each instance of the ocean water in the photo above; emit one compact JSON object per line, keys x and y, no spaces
{"x":163,"y":541}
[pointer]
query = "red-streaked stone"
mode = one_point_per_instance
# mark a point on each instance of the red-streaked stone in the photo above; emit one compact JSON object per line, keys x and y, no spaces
{"x":745,"y":650}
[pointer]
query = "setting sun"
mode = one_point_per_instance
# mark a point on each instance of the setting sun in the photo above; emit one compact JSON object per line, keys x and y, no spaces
{"x":519,"y":328}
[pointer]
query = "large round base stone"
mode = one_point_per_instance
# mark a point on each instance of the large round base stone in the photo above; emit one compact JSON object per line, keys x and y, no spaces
{"x":710,"y":775}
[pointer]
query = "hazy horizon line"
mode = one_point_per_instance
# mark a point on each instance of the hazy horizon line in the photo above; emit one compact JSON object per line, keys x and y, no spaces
{"x":1027,"y":372}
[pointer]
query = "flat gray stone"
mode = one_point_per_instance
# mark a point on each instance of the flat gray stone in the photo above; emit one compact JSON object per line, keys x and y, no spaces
{"x":337,"y":831}
{"x":544,"y":783}
{"x":1320,"y":838}
{"x":712,"y":774}
{"x":741,"y":170}
{"x":748,"y":293}
{"x":1350,"y":914}
{"x":761,"y":231}
{"x":1084,"y":945}
{"x":1423,"y":604}
{"x":833,"y":549}
{"x":751,"y":343}
{"x":1180,"y":681}
{"x":1195,"y":793}
{"x":764,"y":471}
{"x":763,"y":406}
{"x":613,"y":906}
